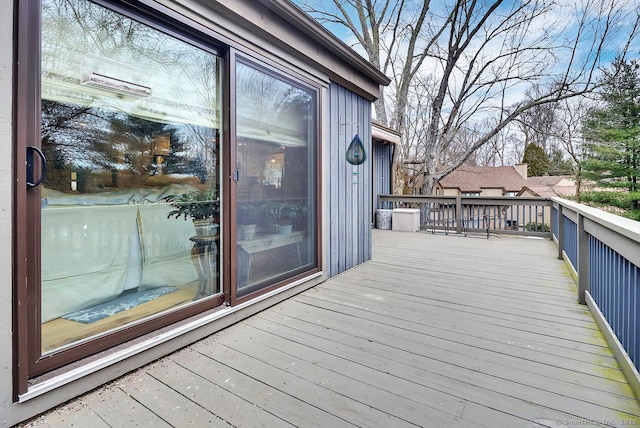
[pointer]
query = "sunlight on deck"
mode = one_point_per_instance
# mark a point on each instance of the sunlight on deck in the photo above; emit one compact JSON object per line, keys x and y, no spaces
{"x":434,"y":331}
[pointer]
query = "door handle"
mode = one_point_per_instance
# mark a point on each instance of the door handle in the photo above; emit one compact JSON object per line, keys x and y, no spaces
{"x":30,"y":164}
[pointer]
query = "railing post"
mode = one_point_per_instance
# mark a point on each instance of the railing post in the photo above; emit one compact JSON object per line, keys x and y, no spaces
{"x":560,"y":232}
{"x":583,"y":261}
{"x":458,"y":214}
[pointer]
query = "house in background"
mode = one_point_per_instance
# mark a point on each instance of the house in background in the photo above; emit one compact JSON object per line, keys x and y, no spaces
{"x":383,"y":146}
{"x":549,"y":186}
{"x":483,"y":181}
{"x":504,"y":181}
{"x":240,"y":112}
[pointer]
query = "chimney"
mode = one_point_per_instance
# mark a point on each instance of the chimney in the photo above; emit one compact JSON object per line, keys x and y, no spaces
{"x":521,"y":169}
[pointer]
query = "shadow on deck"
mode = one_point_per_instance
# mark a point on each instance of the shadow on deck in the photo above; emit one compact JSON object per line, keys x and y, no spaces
{"x":434,"y":331}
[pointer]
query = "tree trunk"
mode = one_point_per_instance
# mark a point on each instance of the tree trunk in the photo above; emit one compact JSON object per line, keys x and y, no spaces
{"x":578,"y":182}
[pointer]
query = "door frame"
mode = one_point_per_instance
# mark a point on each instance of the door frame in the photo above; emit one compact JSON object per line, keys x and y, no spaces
{"x":28,"y":359}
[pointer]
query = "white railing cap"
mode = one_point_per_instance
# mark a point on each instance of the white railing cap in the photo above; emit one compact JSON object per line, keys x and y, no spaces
{"x":622,"y":225}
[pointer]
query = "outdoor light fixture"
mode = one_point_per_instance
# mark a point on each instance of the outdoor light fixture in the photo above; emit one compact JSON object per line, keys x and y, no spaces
{"x":113,"y":84}
{"x":113,"y":76}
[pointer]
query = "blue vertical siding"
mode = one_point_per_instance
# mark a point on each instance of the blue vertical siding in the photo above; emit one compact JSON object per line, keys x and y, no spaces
{"x":614,"y":284}
{"x":349,"y":187}
{"x":382,"y":158}
{"x":571,"y":240}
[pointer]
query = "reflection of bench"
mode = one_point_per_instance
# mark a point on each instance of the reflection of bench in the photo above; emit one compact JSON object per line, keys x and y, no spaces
{"x":92,"y":253}
{"x":249,"y":249}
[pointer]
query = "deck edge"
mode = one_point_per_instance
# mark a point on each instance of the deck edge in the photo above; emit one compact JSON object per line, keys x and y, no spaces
{"x":627,"y":366}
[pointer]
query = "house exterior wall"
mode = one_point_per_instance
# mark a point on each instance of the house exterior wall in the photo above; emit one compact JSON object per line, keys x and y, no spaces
{"x":451,"y":192}
{"x":491,"y":192}
{"x":346,"y":196}
{"x":381,"y":158}
{"x":349,"y":187}
{"x":565,"y":182}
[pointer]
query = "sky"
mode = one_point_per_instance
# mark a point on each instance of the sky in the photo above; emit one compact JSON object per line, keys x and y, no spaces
{"x":560,"y":19}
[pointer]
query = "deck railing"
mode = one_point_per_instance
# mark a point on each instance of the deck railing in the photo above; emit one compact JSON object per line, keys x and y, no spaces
{"x":603,"y":252}
{"x":477,"y":214}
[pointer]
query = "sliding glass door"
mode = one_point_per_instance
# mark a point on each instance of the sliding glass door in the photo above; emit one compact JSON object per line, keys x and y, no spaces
{"x":121,"y":103}
{"x":130,"y":205}
{"x":276,"y":192}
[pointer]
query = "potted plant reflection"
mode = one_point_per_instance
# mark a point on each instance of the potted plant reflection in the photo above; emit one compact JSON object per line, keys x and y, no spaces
{"x":202,"y":206}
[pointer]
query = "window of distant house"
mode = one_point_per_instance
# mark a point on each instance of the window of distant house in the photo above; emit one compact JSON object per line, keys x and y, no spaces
{"x":471,"y":194}
{"x":511,"y":194}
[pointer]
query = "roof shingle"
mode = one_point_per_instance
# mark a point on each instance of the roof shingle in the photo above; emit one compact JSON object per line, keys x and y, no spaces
{"x":475,"y":178}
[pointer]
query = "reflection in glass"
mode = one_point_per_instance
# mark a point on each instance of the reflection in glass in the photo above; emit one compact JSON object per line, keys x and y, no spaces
{"x":275,"y":194}
{"x":131,"y":126}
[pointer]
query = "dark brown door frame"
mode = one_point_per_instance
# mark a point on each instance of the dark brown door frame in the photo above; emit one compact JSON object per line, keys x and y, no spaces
{"x":26,"y":97}
{"x":228,"y":174}
{"x":28,"y":361}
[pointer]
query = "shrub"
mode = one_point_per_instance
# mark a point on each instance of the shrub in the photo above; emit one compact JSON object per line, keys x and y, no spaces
{"x":537,"y":227}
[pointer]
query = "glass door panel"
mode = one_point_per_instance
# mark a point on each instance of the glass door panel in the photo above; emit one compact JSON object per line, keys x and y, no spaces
{"x":130,"y":209}
{"x":275,"y":193}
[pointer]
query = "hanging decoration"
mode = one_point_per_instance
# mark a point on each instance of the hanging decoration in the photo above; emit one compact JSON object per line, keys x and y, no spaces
{"x":355,"y":153}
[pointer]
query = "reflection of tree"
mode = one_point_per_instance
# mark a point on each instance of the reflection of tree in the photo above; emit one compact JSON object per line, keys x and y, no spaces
{"x":298,"y":103}
{"x":75,"y":138}
{"x":93,"y":142}
{"x":75,"y":27}
{"x":109,"y":139}
{"x":202,"y":149}
{"x":267,"y":103}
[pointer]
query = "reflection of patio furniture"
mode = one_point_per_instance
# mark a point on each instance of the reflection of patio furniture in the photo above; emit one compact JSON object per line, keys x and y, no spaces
{"x":249,"y":249}
{"x":205,"y":259}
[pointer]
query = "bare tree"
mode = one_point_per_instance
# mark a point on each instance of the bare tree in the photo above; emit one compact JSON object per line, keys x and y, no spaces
{"x":568,"y":132}
{"x":536,"y":123}
{"x":481,"y":54}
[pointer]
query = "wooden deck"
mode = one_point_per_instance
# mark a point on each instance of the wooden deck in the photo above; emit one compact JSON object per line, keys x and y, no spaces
{"x":434,"y":331}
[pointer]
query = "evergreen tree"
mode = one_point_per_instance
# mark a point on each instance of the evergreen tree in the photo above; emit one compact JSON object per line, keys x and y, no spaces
{"x":558,"y":164}
{"x":612,"y":134}
{"x":536,"y":160}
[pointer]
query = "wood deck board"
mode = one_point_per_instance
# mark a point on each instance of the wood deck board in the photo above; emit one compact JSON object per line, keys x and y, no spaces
{"x":436,"y":301}
{"x":288,"y":408}
{"x":450,"y":374}
{"x":498,"y":286}
{"x":226,"y":405}
{"x":494,"y":341}
{"x":416,"y":312}
{"x":296,"y":330}
{"x":353,"y":383}
{"x":434,"y":331}
{"x":343,"y":405}
{"x":168,"y":403}
{"x":420,"y":353}
{"x":118,"y":409}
